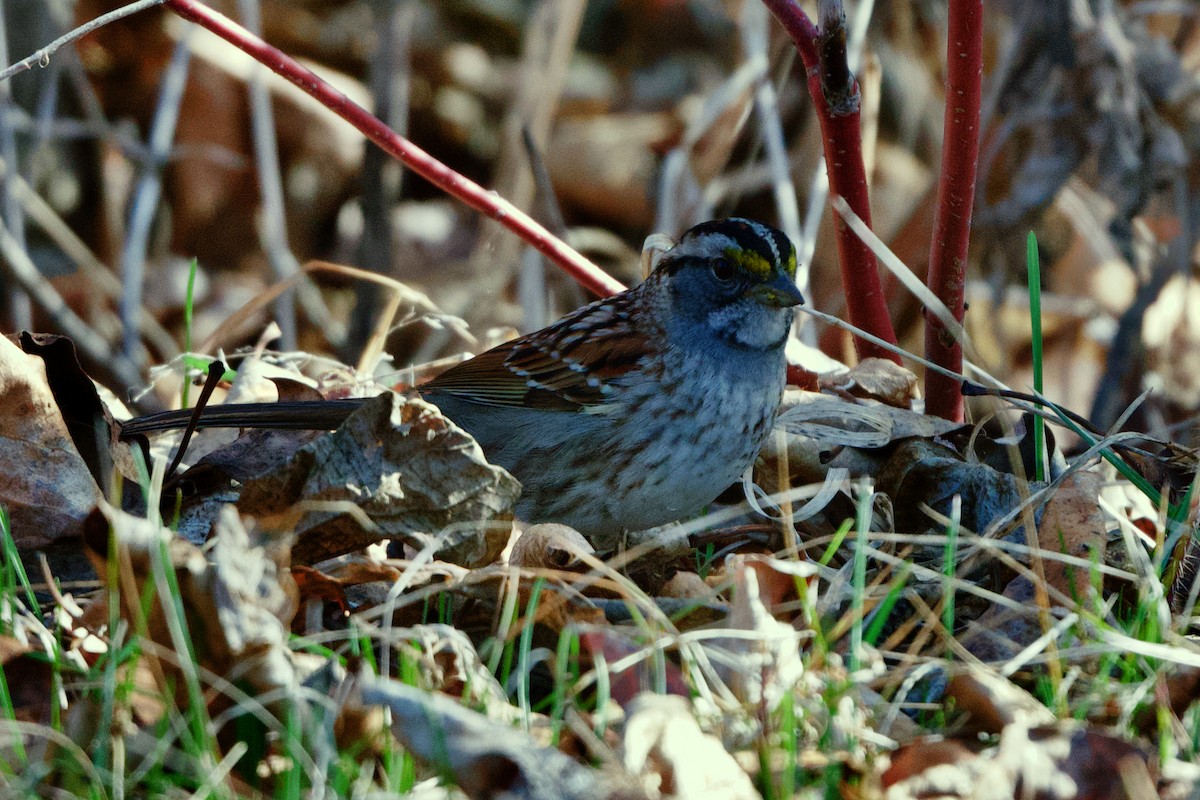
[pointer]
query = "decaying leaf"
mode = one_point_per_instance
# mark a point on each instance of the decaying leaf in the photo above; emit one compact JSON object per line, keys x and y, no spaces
{"x":396,"y":462}
{"x":993,"y":702}
{"x":1070,"y":524}
{"x":762,"y":662}
{"x":926,"y":472}
{"x":549,"y":545}
{"x":820,"y":424}
{"x":46,"y":486}
{"x":662,"y":742}
{"x":487,"y":759}
{"x":236,"y":606}
{"x":1047,"y":763}
{"x":878,"y":379}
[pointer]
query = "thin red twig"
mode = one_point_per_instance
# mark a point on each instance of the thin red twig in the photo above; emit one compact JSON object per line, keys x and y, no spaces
{"x":835,"y":94}
{"x":956,"y":195}
{"x":585,"y":272}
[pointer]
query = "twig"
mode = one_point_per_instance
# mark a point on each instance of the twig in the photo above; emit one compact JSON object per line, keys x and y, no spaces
{"x":42,"y":57}
{"x":388,"y":77}
{"x":18,"y":266}
{"x":273,"y":231}
{"x":549,"y":41}
{"x":437,"y":173}
{"x":956,"y":195}
{"x":835,"y":95}
{"x":93,"y":270}
{"x":753,"y":29}
{"x":20,"y":312}
{"x":148,"y":193}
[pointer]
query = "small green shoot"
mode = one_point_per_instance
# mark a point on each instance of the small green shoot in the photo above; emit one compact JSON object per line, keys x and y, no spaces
{"x":524,"y":665}
{"x":1035,"y":318}
{"x":950,"y":567}
{"x":883,"y":611}
{"x":866,"y":495}
{"x":188,"y":305}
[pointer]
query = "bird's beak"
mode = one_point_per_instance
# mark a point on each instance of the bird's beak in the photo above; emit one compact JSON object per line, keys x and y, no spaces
{"x":780,"y":292}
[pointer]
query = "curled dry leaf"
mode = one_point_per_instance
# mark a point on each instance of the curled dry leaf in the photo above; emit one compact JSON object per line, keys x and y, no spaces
{"x":1071,"y":524}
{"x":45,"y":485}
{"x":663,"y":744}
{"x":878,"y":379}
{"x":236,"y":606}
{"x":819,"y":425}
{"x":920,"y":471}
{"x":1048,"y":763}
{"x":399,"y":465}
{"x":487,"y":759}
{"x":762,"y":667}
{"x":993,"y":702}
{"x":549,"y":545}
{"x":686,"y":585}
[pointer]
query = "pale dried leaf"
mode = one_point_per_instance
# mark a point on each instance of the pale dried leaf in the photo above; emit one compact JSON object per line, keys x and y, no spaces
{"x":415,"y":475}
{"x":664,"y":745}
{"x":551,"y":545}
{"x":486,"y":759}
{"x":237,"y":606}
{"x":831,"y":421}
{"x":1073,"y":525}
{"x":686,"y":585}
{"x":763,"y":662}
{"x":46,"y":486}
{"x":993,"y":702}
{"x":879,"y":379}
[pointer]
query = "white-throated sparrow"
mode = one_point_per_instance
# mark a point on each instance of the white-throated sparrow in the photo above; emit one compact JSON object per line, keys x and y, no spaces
{"x":640,"y":408}
{"x":637,"y":409}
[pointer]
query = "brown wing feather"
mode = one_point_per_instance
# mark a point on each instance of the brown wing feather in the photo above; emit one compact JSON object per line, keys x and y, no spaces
{"x":566,"y":367}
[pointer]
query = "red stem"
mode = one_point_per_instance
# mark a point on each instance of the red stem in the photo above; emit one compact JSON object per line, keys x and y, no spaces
{"x":835,"y":94}
{"x":493,"y":205}
{"x":956,"y":196}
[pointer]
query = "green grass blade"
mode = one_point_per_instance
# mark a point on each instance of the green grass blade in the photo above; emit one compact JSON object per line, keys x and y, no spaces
{"x":1035,"y":319}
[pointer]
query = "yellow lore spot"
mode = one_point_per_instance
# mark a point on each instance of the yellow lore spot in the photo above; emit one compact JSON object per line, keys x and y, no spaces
{"x":756,"y":265}
{"x":750,"y":261}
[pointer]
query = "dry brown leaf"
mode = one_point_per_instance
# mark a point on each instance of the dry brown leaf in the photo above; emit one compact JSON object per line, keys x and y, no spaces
{"x":550,"y":545}
{"x":608,"y":645}
{"x":993,"y":702}
{"x":601,"y":165}
{"x":395,"y":465}
{"x":1073,"y":525}
{"x":686,"y":585}
{"x":878,"y":379}
{"x":663,"y":745}
{"x":487,"y":759}
{"x":45,"y":485}
{"x":30,"y":683}
{"x":762,"y":667}
{"x":1048,"y":763}
{"x":237,"y":606}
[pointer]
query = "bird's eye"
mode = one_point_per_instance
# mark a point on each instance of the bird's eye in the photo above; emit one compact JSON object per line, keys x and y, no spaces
{"x":722,"y":270}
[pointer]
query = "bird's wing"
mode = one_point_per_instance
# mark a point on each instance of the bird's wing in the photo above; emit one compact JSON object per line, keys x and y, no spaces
{"x":569,"y":366}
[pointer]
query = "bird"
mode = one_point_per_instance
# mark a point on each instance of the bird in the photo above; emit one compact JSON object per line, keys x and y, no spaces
{"x":640,"y":408}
